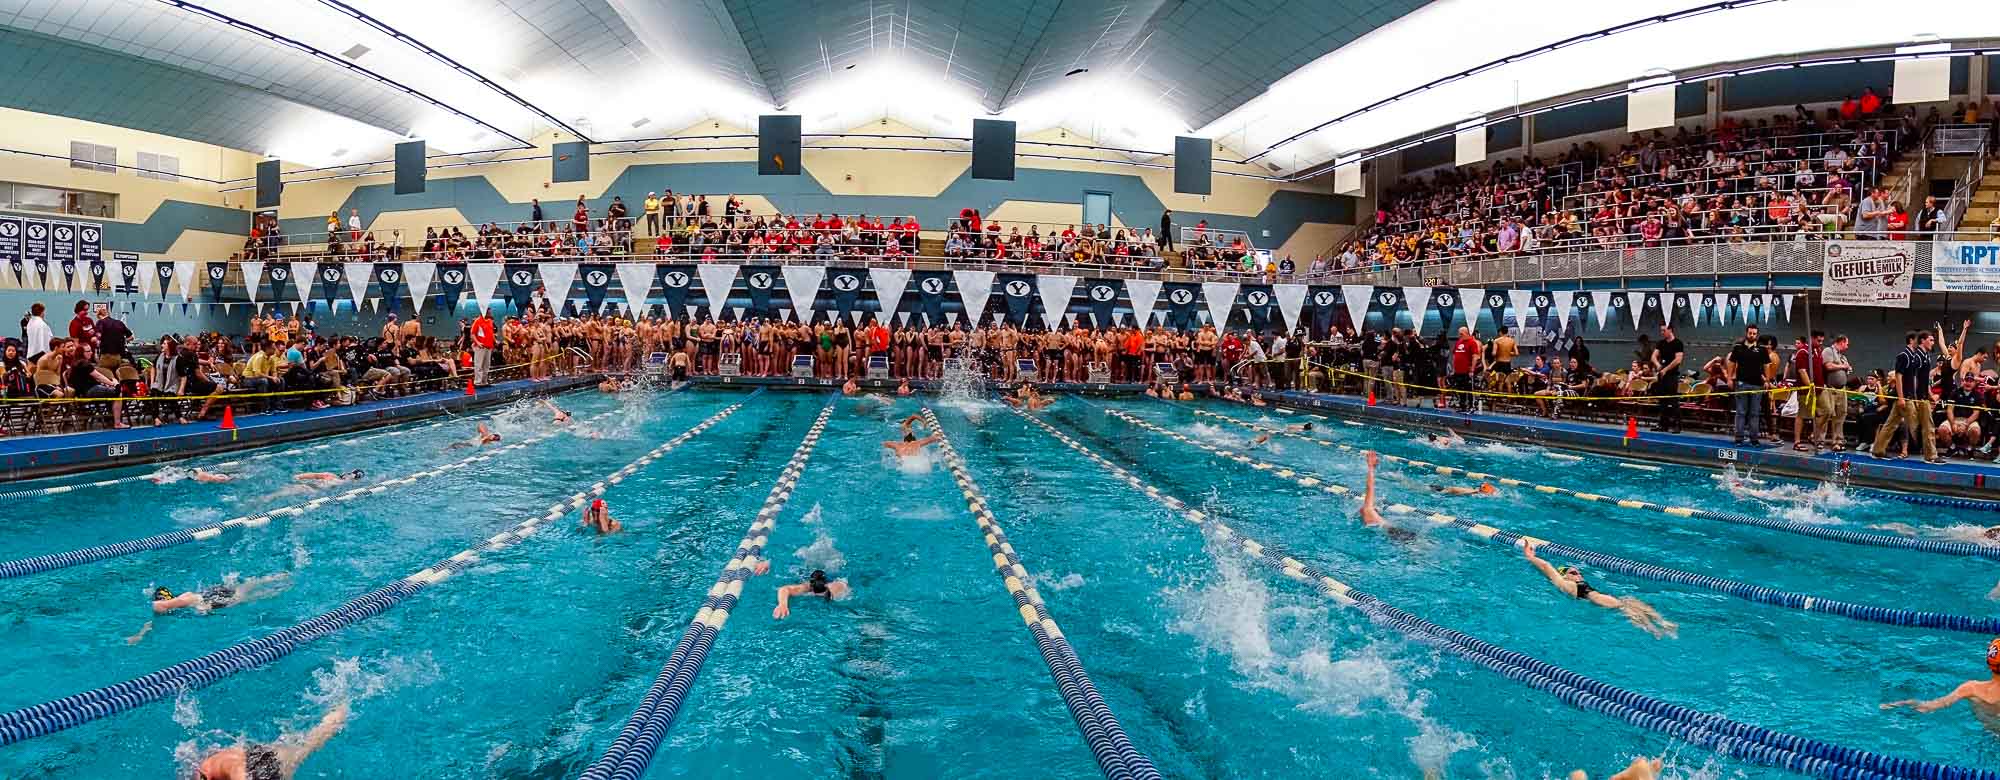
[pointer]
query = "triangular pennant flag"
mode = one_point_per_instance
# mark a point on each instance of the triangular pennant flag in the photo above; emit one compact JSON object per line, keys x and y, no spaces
{"x":1056,"y":290}
{"x":903,"y":318}
{"x":889,"y":286}
{"x":295,"y":306}
{"x":636,"y":281}
{"x":253,"y":277}
{"x":556,"y":279}
{"x":1635,"y":304}
{"x":1357,"y":297}
{"x":225,"y":307}
{"x":485,"y":278}
{"x":1471,"y":301}
{"x":184,"y":276}
{"x":358,"y":275}
{"x":716,"y":279}
{"x":855,"y":315}
{"x":1145,"y":294}
{"x":418,"y":276}
{"x":1601,"y":301}
{"x":974,"y":288}
{"x":951,"y":317}
{"x":1221,"y":298}
{"x":303,"y":275}
{"x":1786,"y":300}
{"x":1565,"y":306}
{"x":802,"y":284}
{"x":1291,"y":301}
{"x":1770,"y":302}
{"x":737,"y":312}
{"x":1418,"y":300}
{"x":691,"y":311}
{"x":1519,"y":300}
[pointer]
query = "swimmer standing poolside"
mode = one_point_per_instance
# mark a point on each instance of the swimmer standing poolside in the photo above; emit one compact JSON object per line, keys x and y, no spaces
{"x":598,"y":516}
{"x":273,"y":761}
{"x":816,"y":585}
{"x":1984,"y":695}
{"x":1569,"y":580}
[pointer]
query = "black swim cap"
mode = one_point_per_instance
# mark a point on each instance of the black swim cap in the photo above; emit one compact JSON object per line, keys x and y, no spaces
{"x":162,"y":593}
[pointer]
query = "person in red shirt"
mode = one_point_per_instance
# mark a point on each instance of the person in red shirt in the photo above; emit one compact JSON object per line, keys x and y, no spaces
{"x":1130,"y":367}
{"x":82,"y":329}
{"x":1849,"y":108}
{"x":484,"y":339}
{"x":1897,"y":222}
{"x":1870,"y":102}
{"x":819,"y":222}
{"x":1232,"y":351}
{"x":1465,"y":359}
{"x":834,"y":223}
{"x":909,"y":235}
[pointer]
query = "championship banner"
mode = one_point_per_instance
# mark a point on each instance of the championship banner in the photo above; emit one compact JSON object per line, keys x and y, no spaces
{"x":1291,"y":303}
{"x":62,"y":252}
{"x":35,"y":248}
{"x":521,"y":284}
{"x":11,"y":242}
{"x":1868,"y":273}
{"x":1143,"y":294}
{"x":485,"y":280}
{"x":1326,"y":310}
{"x":1257,"y":303}
{"x":452,"y":281}
{"x":417,"y":277}
{"x":1445,"y":301}
{"x":931,"y":287}
{"x":846,"y":286}
{"x":389,"y":285}
{"x":974,"y":288}
{"x":557,"y":278}
{"x":1019,"y":293}
{"x":675,"y":281}
{"x":1056,"y":290}
{"x":90,"y":250}
{"x":1180,"y":305}
{"x":216,"y":272}
{"x":635,"y":282}
{"x":597,"y":285}
{"x":1221,"y":298}
{"x":1957,"y":266}
{"x":889,"y":285}
{"x":1103,"y":295}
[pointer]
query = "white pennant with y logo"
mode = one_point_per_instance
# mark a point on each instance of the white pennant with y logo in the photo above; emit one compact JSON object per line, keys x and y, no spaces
{"x":889,"y":286}
{"x":1220,"y":298}
{"x":716,"y":279}
{"x":1056,"y":290}
{"x":802,"y":285}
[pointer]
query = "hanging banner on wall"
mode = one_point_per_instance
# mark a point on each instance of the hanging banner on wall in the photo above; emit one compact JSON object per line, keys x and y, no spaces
{"x":557,"y":278}
{"x":846,"y":286}
{"x":1221,"y":298}
{"x":216,"y":272}
{"x":253,"y":277}
{"x":10,"y":246}
{"x":931,"y":288}
{"x":1019,"y":291}
{"x":759,"y":283}
{"x":1957,"y":266}
{"x":62,"y":252}
{"x":1257,"y":304}
{"x":1868,"y":273}
{"x":1291,"y":303}
{"x":1180,"y":304}
{"x":675,"y":282}
{"x":889,"y":285}
{"x":1103,"y":295}
{"x":1143,"y":294}
{"x":1055,"y":290}
{"x":417,"y":278}
{"x":389,"y":285}
{"x":485,"y":281}
{"x":635,"y":282}
{"x":1358,"y":298}
{"x":1445,"y":301}
{"x":596,"y":278}
{"x":358,"y":275}
{"x":35,"y":247}
{"x":1523,"y":302}
{"x":974,"y":288}
{"x":90,"y":248}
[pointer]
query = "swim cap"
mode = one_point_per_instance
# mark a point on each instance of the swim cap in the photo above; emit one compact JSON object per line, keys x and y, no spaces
{"x":162,"y":594}
{"x":355,"y":474}
{"x":1993,"y":655}
{"x":1487,"y":487}
{"x":597,"y":504}
{"x":1569,"y":570}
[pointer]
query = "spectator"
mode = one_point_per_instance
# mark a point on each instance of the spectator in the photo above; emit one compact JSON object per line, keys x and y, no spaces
{"x":1746,"y":368}
{"x":1871,"y":218}
{"x":81,"y":327}
{"x":36,"y":332}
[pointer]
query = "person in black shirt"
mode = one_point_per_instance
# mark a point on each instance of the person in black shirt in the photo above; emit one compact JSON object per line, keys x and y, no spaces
{"x":89,"y":381}
{"x":1960,"y":428}
{"x":1666,"y":360}
{"x":1909,"y":388}
{"x":1745,"y":370}
{"x":112,"y":336}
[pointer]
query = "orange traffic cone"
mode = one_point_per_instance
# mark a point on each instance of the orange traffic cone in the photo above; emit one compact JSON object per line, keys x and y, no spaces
{"x":1631,"y":427}
{"x":1371,"y":396}
{"x":468,"y":388}
{"x":228,"y":419}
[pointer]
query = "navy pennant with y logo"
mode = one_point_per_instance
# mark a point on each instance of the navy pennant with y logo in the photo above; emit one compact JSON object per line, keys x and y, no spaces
{"x":1103,"y":295}
{"x":1181,"y":297}
{"x":760,"y":281}
{"x":521,"y":281}
{"x":931,"y":289}
{"x":389,"y":285}
{"x":596,"y":285}
{"x":217,"y":271}
{"x":674,"y":283}
{"x":451,"y":284}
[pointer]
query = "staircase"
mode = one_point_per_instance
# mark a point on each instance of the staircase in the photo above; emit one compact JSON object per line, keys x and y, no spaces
{"x":1985,"y":205}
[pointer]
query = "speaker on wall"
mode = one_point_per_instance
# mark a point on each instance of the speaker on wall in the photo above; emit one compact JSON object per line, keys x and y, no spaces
{"x":268,"y":185}
{"x":1194,"y":165}
{"x":993,"y":149}
{"x":778,"y":145}
{"x":570,"y":161}
{"x":409,"y":167}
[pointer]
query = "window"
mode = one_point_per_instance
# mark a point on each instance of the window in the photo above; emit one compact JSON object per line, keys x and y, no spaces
{"x":58,"y":200}
{"x":164,"y":167}
{"x":92,"y":157}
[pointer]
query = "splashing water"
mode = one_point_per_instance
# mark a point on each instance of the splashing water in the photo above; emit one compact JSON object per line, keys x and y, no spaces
{"x":168,"y":475}
{"x":350,"y":680}
{"x":821,"y":554}
{"x":187,"y":709}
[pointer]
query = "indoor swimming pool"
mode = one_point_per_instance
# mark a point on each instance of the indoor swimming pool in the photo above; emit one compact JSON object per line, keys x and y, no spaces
{"x":508,"y":642}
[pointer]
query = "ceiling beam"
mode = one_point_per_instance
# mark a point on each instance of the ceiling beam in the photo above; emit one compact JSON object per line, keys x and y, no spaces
{"x":774,"y":82}
{"x":1021,"y":69}
{"x":385,"y":29}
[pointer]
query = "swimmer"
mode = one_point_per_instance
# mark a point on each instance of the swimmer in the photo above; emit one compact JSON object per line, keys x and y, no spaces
{"x":1484,"y":489}
{"x":610,"y":385}
{"x":1299,"y":428}
{"x":850,"y":387}
{"x":561,"y":417}
{"x":212,"y":598}
{"x":199,"y":475}
{"x":1449,"y":439}
{"x":483,"y":438}
{"x":272,"y":761}
{"x":911,"y":446}
{"x":816,"y":585}
{"x":1257,"y":399}
{"x":1370,"y":516}
{"x":903,"y":389}
{"x":324,"y":479}
{"x":1987,"y":536}
{"x":1984,"y":695}
{"x":598,"y":516}
{"x":1261,"y":440}
{"x":1569,"y":580}
{"x":1027,"y":398}
{"x":909,"y":425}
{"x":1185,"y":394}
{"x":1642,"y":768}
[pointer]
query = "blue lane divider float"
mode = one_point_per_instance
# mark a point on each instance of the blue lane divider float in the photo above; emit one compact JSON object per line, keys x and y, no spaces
{"x":1720,"y":734}
{"x":1108,"y":742}
{"x":1754,"y":593}
{"x":633,"y":749}
{"x":1952,"y":502}
{"x":77,"y":709}
{"x":1941,"y":547}
{"x":39,"y":564}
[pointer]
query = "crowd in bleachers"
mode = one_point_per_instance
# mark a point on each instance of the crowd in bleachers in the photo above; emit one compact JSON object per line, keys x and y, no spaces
{"x":972,"y":237}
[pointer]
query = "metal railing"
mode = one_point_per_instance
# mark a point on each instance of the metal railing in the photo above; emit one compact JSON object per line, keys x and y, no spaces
{"x":1796,"y":256}
{"x":1959,"y":138}
{"x":635,"y":226}
{"x":1967,"y":184}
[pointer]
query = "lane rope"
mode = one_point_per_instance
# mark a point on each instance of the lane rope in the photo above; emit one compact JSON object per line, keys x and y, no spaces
{"x":1109,"y":744}
{"x":1940,"y":547}
{"x":632,"y":751}
{"x":1754,"y":593}
{"x":1717,"y":733}
{"x":77,"y":709}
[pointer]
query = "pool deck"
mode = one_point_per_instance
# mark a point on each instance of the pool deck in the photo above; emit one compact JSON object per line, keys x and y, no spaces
{"x":29,"y":457}
{"x":1959,"y":478}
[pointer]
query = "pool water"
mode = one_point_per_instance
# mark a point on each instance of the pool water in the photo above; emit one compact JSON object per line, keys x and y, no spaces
{"x":528,"y":663}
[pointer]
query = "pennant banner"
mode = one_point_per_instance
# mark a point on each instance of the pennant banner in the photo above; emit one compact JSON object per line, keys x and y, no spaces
{"x":557,"y":278}
{"x":1357,"y":297}
{"x":1326,"y":310}
{"x":1291,"y":302}
{"x":802,"y":284}
{"x":974,"y":288}
{"x":417,"y":277}
{"x":1055,"y":290}
{"x":635,"y":282}
{"x":1221,"y":298}
{"x":1018,"y":291}
{"x":1418,"y":299}
{"x":329,"y":278}
{"x":1257,"y":304}
{"x":217,"y":271}
{"x":1103,"y":296}
{"x":1180,"y":305}
{"x":389,"y":286}
{"x":358,"y":276}
{"x":889,"y":285}
{"x":1143,"y":294}
{"x":1600,"y":300}
{"x":452,"y":283}
{"x":931,"y":288}
{"x":184,"y":271}
{"x":596,"y":279}
{"x":253,"y":278}
{"x":676,"y":281}
{"x":1523,"y":301}
{"x":1445,"y":301}
{"x":485,"y":281}
{"x":521,"y":284}
{"x":1471,"y":303}
{"x":845,"y":283}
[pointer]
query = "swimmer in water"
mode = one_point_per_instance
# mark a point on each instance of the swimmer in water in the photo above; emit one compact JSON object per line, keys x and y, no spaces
{"x":610,"y":385}
{"x":1984,"y":695}
{"x":903,"y":388}
{"x":1261,"y":440}
{"x":1449,"y":439}
{"x":1299,"y":428}
{"x":211,"y":598}
{"x":1370,"y":516}
{"x":325,"y":479}
{"x":1484,"y":489}
{"x":273,"y":761}
{"x":816,"y":585}
{"x":1026,"y":397}
{"x":1989,"y":536}
{"x":1569,"y":580}
{"x":597,"y":516}
{"x":483,"y":438}
{"x":561,"y":417}
{"x":850,"y":387}
{"x":910,"y":445}
{"x":1642,"y":768}
{"x":199,"y":475}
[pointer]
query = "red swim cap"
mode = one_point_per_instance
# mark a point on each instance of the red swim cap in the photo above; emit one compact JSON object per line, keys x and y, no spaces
{"x":597,"y":504}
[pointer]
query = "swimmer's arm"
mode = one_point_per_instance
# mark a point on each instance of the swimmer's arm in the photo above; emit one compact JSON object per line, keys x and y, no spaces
{"x":1642,"y":768}
{"x":1601,"y":599}
{"x":1962,"y":692}
{"x":143,"y":631}
{"x":177,"y":602}
{"x":785,"y":594}
{"x":1550,"y":572}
